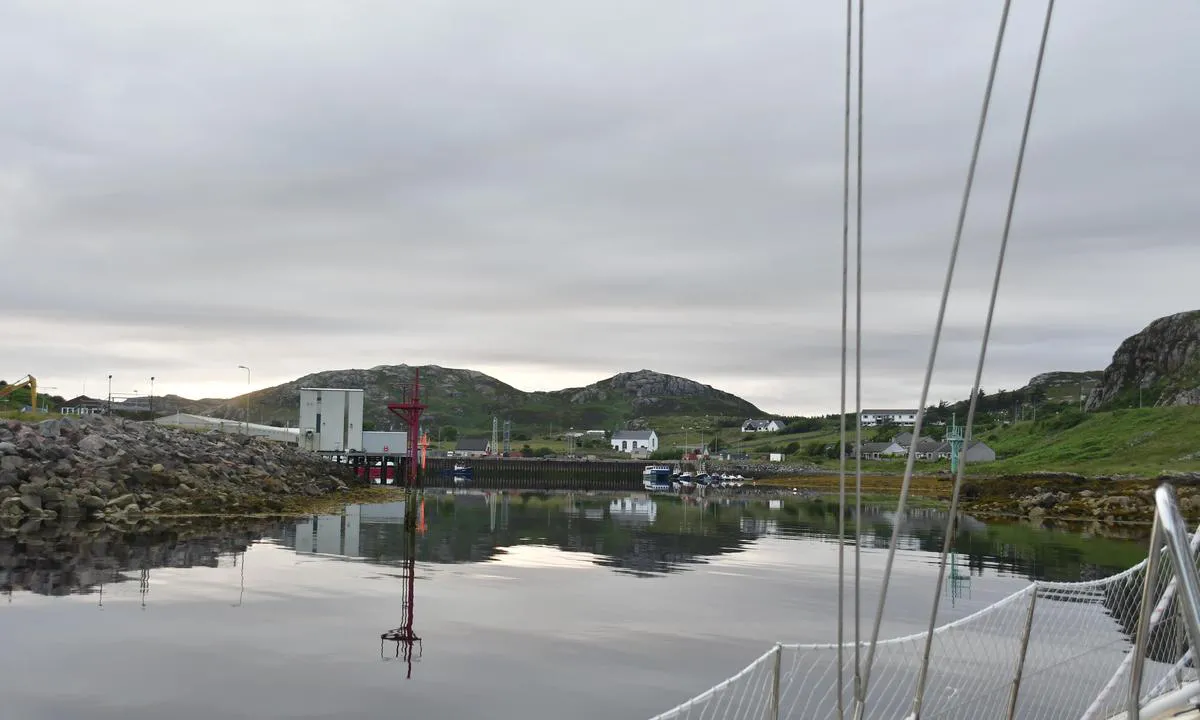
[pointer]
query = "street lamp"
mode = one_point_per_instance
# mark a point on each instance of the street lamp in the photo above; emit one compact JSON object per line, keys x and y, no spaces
{"x":152,"y":393}
{"x":247,"y":423}
{"x":110,"y":394}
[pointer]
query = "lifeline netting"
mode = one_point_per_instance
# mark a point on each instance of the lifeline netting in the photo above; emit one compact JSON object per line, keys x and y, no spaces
{"x":1076,"y":664}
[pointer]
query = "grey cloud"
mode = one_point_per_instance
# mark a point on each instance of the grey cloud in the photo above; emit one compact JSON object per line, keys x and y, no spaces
{"x":584,"y":187}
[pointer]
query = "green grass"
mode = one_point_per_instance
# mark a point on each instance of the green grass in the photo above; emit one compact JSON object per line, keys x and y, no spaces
{"x":1136,"y":442}
{"x":26,"y":417}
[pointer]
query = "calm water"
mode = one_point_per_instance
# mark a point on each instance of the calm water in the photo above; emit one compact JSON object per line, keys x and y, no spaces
{"x":526,"y":605}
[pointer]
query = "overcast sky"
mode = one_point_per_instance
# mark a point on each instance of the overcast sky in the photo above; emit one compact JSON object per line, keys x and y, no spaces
{"x":553,"y":192}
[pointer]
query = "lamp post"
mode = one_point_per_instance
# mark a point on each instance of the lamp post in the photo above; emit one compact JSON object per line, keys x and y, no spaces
{"x":110,"y":394}
{"x":246,"y":425}
{"x":151,"y":393}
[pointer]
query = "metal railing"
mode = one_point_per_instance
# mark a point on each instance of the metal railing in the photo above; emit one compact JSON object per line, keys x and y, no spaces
{"x":1168,"y":529}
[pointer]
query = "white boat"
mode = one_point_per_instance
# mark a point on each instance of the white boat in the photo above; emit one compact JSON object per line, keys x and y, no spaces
{"x":657,"y":477}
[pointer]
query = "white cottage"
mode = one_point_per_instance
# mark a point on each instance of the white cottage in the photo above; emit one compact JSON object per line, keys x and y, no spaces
{"x":631,"y":441}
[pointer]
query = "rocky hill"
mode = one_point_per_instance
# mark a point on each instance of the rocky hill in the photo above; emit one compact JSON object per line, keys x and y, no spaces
{"x":468,"y":399}
{"x":1063,"y":386}
{"x":1162,"y":361}
{"x":643,"y":394}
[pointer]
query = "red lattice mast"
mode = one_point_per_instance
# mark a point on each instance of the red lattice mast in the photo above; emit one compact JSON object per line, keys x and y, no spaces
{"x":410,"y":409}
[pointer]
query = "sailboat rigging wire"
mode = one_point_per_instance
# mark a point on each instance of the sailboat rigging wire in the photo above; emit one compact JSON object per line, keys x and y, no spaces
{"x":841,"y":611}
{"x":987,"y":330}
{"x":860,"y":700}
{"x":858,"y":369}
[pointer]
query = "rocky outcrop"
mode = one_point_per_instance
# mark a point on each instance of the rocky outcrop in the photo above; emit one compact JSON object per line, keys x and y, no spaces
{"x":1163,"y":361}
{"x":113,"y":470}
{"x":1104,"y":500}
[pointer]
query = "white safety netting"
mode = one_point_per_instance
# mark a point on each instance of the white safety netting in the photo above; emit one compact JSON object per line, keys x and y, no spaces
{"x":1051,"y":650}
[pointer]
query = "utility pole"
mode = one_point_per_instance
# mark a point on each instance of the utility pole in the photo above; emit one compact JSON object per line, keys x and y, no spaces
{"x":246,"y":425}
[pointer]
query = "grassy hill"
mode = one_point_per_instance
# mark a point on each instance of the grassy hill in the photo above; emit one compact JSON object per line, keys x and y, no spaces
{"x":466,"y":400}
{"x":1134,"y":441}
{"x":1137,"y":442}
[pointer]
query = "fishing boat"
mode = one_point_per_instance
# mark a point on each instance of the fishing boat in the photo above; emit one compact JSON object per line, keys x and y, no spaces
{"x":1119,"y":648}
{"x":461,"y":473}
{"x":657,"y":477}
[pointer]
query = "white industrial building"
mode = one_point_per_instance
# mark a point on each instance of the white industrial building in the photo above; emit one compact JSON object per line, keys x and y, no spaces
{"x":331,"y":419}
{"x":202,"y":422}
{"x":341,"y":534}
{"x":385,"y":443}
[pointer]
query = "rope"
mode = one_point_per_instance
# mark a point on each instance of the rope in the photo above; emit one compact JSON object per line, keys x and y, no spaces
{"x":845,"y":324}
{"x":858,"y":370}
{"x":987,"y":331}
{"x":860,"y":701}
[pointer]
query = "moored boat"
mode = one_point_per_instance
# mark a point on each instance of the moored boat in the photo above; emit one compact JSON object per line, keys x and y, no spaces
{"x":657,"y":477}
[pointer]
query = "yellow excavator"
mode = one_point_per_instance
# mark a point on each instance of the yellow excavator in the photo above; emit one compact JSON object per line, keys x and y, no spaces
{"x":27,"y":381}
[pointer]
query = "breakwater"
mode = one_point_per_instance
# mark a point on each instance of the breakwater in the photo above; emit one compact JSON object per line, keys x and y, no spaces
{"x":100,"y":468}
{"x":537,"y":474}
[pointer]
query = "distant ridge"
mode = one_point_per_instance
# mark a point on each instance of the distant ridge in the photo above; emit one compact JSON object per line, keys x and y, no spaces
{"x":468,"y":399}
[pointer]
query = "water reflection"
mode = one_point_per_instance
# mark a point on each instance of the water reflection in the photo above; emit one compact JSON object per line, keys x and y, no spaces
{"x":630,"y":534}
{"x":57,"y":560}
{"x":412,"y":512}
{"x":647,"y":537}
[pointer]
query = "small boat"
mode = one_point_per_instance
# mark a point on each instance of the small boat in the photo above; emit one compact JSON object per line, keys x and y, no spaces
{"x":657,"y":477}
{"x":461,"y":473}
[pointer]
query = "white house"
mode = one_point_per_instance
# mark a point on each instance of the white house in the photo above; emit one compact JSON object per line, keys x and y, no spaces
{"x":633,"y":440}
{"x":762,"y":426}
{"x":879,"y":417}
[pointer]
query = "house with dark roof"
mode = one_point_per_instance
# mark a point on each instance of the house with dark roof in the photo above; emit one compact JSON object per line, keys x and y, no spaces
{"x":83,"y":405}
{"x":881,"y":450}
{"x":632,"y":441}
{"x":930,"y":449}
{"x":472,"y":447}
{"x":762,"y":426}
{"x":975,"y":452}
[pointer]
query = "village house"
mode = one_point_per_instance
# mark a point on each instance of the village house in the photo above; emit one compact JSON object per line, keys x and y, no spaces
{"x":975,"y":452}
{"x":751,"y":426}
{"x":880,"y":450}
{"x":871,"y":418}
{"x":472,"y":447}
{"x":633,"y":440}
{"x":83,"y":405}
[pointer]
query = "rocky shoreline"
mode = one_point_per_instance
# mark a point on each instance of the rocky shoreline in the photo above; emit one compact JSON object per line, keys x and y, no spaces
{"x":118,"y":471}
{"x":1035,"y":496}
